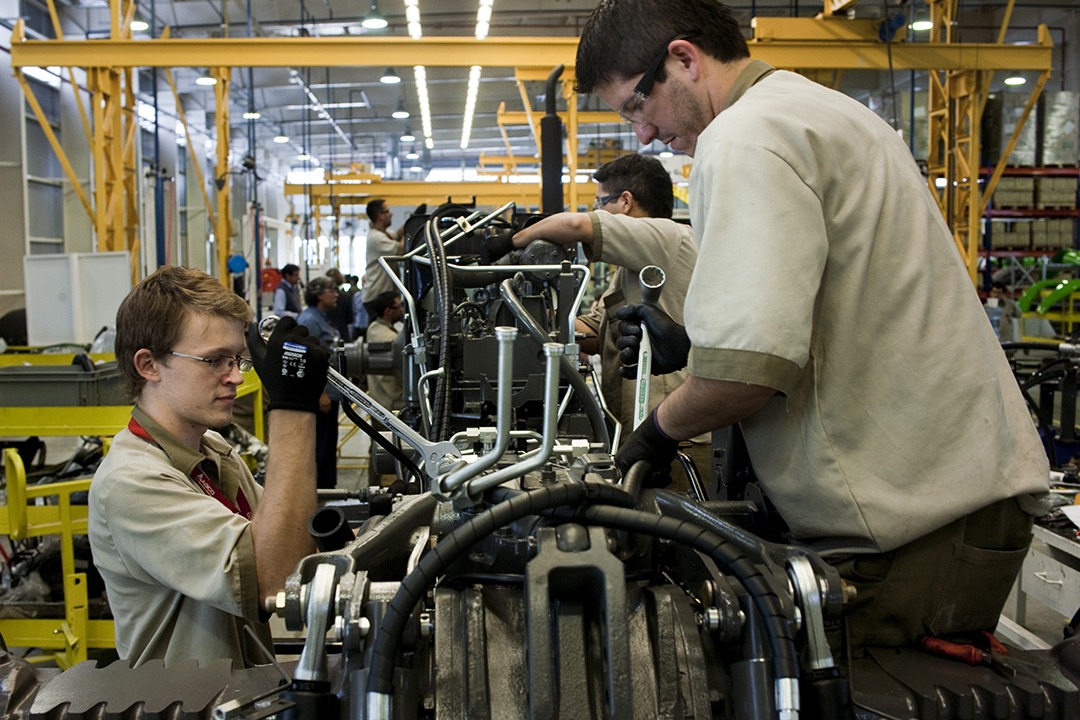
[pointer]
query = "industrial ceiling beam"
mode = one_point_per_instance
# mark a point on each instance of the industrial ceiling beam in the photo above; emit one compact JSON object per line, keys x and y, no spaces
{"x":495,"y":52}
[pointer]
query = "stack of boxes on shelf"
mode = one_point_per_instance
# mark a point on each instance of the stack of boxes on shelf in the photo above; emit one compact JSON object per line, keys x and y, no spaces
{"x":1034,"y":206}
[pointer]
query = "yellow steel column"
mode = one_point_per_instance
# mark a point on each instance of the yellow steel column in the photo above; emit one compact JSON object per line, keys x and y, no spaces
{"x":223,"y":226}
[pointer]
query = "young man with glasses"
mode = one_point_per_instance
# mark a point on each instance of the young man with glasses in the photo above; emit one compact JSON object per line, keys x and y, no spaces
{"x":831,"y":316}
{"x":187,"y":542}
{"x":634,"y":229}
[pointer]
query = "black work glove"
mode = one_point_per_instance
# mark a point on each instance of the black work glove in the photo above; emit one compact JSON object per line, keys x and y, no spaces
{"x":292,"y":365}
{"x":497,"y":246}
{"x":670,"y":343}
{"x":648,"y":442}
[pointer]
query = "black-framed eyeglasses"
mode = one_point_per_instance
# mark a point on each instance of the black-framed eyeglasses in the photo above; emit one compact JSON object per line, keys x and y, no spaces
{"x":603,"y":200}
{"x":221,"y":364}
{"x":631,"y":109}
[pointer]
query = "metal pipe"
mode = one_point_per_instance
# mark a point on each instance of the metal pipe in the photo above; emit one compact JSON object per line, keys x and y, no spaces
{"x":446,"y":485}
{"x":553,"y":352}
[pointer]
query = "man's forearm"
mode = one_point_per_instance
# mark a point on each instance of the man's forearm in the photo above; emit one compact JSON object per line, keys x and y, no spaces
{"x":566,"y":228}
{"x":701,"y":405}
{"x":279,"y":528}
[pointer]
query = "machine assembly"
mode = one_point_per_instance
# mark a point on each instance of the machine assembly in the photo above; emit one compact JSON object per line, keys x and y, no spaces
{"x":514,"y":572}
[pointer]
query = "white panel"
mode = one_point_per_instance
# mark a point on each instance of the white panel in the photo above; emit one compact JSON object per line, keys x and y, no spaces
{"x":69,"y":298}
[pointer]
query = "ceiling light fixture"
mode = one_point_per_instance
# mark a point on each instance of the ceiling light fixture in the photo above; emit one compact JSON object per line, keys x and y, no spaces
{"x":390,"y":77}
{"x":420,"y":75}
{"x":138,"y":25}
{"x":206,"y":81}
{"x":470,"y":105}
{"x":922,"y":25}
{"x":407,"y":136}
{"x":412,"y":19}
{"x":1015,"y":80}
{"x":374,"y":19}
{"x":281,"y":139}
{"x":483,"y":18}
{"x":252,"y":115}
{"x":400,"y":113}
{"x":412,"y":154}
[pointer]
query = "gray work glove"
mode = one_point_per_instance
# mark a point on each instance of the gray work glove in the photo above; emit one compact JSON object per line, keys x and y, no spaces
{"x":292,"y":365}
{"x":670,"y":343}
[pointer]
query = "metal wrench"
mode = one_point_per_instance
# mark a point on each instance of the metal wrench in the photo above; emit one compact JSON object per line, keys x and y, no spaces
{"x":438,"y":457}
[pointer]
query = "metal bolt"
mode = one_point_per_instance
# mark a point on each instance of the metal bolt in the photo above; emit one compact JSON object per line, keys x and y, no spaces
{"x":427,"y":626}
{"x":710,"y":619}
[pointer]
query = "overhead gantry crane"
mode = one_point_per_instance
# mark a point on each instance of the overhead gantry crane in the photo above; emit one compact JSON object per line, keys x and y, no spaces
{"x":960,"y":75}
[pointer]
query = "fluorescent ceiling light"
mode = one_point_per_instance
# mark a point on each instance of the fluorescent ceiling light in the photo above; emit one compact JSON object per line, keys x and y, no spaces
{"x":420,"y":75}
{"x":1015,"y":80}
{"x":412,"y":19}
{"x":483,"y":18}
{"x":281,"y":139}
{"x":206,"y":81}
{"x":470,"y":105}
{"x":252,"y":115}
{"x":374,"y":19}
{"x":139,"y":25}
{"x":922,"y":25}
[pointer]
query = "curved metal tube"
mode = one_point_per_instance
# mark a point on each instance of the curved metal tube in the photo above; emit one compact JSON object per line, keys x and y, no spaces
{"x":552,"y":353}
{"x":452,"y":481}
{"x":591,"y":405}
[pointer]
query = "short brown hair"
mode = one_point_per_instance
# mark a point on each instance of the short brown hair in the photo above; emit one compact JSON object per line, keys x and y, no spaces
{"x":152,"y":315}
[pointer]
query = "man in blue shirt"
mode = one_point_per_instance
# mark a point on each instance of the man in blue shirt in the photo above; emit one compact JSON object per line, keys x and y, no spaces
{"x":321,"y":297}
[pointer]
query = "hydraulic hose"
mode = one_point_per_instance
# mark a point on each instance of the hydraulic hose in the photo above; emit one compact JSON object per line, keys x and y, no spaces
{"x":553,"y":501}
{"x":415,"y":585}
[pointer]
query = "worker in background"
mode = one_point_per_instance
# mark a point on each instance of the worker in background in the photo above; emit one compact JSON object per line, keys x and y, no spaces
{"x":381,"y":242}
{"x":341,"y":315}
{"x":321,"y":297}
{"x":1000,"y":305}
{"x":831,"y":316}
{"x":630,"y":228}
{"x":287,"y":293}
{"x":187,"y":542}
{"x":386,"y":390}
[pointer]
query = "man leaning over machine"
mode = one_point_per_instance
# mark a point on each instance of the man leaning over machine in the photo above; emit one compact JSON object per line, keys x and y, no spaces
{"x":830,"y":315}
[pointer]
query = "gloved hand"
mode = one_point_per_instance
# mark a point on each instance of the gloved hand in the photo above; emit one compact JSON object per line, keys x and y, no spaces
{"x":670,"y":343}
{"x":292,"y":365}
{"x":497,"y":246}
{"x":648,"y":442}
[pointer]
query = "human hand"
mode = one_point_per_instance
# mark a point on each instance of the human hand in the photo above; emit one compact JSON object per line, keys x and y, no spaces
{"x":670,"y":343}
{"x":648,"y":442}
{"x":292,"y":365}
{"x":497,"y":246}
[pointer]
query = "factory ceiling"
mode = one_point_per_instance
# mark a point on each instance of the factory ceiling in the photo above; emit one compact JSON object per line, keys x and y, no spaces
{"x":337,"y":116}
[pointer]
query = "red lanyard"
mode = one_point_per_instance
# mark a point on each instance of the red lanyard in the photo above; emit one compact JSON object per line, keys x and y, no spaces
{"x":201,"y":478}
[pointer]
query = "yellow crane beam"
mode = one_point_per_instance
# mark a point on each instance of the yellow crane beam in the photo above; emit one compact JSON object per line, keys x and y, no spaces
{"x":786,"y":52}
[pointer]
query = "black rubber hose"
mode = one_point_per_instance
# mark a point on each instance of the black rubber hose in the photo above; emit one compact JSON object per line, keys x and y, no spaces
{"x":536,"y":502}
{"x":415,"y":585}
{"x":724,"y":553}
{"x":377,"y":437}
{"x":635,"y":476}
